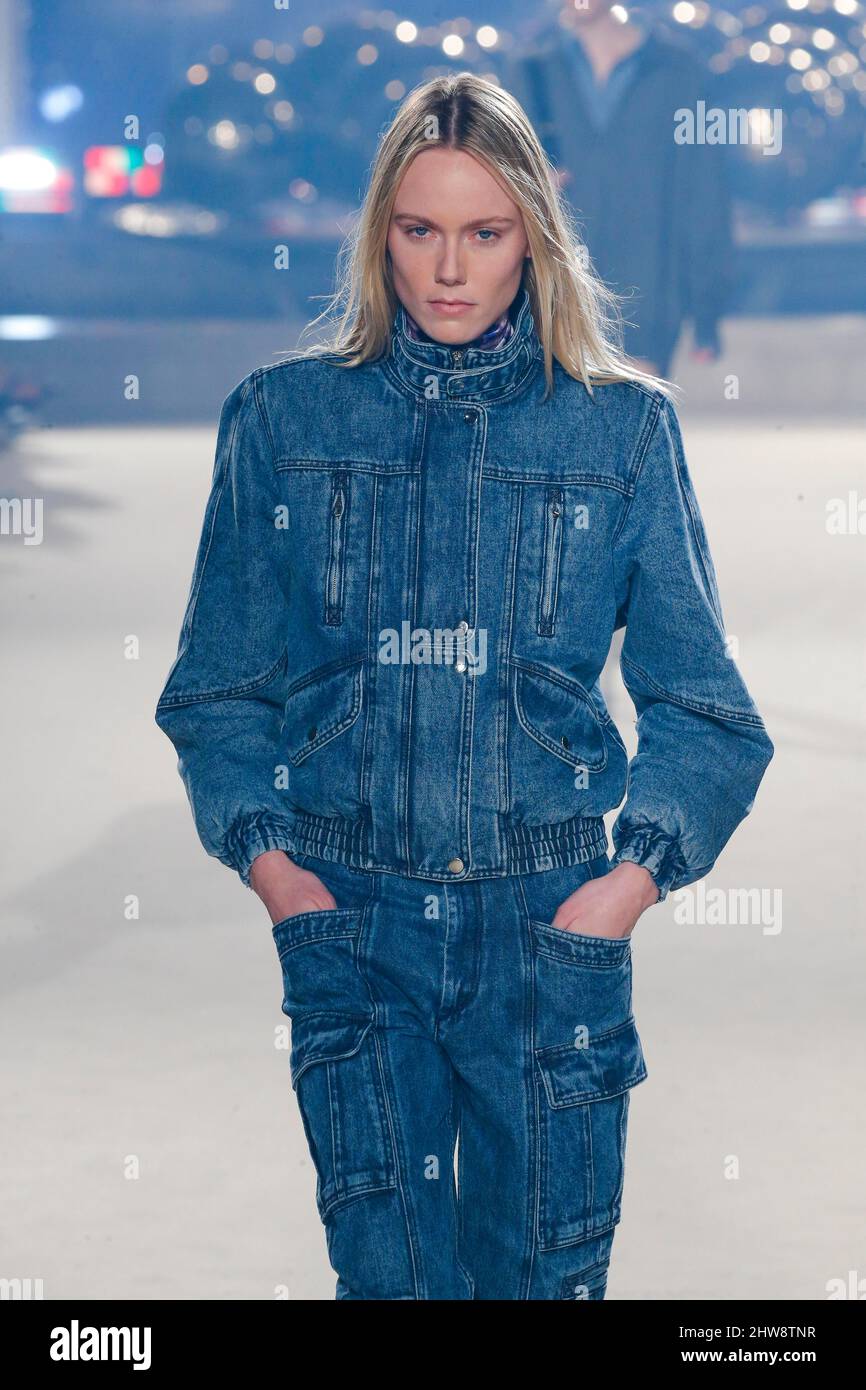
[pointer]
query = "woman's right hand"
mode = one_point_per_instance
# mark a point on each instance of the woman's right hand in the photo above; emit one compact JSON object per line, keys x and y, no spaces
{"x":285,"y":888}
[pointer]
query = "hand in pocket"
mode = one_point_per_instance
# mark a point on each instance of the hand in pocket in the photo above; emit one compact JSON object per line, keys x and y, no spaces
{"x":608,"y":906}
{"x":286,"y":889}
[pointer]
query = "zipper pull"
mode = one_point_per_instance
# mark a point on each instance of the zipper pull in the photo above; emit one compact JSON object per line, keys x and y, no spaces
{"x":457,"y":356}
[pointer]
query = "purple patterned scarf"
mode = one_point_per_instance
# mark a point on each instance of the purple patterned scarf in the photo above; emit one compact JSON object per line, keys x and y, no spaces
{"x":496,"y":336}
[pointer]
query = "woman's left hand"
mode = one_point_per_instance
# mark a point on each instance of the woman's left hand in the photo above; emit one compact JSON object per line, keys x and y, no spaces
{"x":610,"y":905}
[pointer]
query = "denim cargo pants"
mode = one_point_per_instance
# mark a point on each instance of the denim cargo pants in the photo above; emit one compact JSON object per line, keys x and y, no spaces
{"x":422,"y":1010}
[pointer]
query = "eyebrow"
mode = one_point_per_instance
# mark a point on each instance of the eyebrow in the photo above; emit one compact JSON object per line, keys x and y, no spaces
{"x":481,"y":222}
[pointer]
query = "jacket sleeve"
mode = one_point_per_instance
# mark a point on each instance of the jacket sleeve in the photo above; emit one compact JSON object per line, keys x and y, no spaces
{"x":702,"y":745}
{"x":224,"y":697}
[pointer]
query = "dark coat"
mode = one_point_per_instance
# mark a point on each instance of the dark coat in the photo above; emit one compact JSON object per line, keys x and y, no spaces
{"x":656,"y":215}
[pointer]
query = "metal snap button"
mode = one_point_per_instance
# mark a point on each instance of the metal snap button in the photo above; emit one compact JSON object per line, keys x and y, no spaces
{"x":456,"y":865}
{"x":461,"y":629}
{"x":469,"y":416}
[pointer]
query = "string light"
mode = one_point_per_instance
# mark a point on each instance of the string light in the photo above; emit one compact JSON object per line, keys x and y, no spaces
{"x":788,"y":44}
{"x":753,"y":35}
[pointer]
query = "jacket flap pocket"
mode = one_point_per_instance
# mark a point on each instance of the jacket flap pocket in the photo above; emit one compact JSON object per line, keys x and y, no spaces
{"x":560,"y":715}
{"x":322,"y":706}
{"x":607,"y":1066}
{"x":325,"y":1037}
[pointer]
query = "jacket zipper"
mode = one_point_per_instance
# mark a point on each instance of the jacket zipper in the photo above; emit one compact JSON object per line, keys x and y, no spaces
{"x":553,"y":514}
{"x":337,"y":550}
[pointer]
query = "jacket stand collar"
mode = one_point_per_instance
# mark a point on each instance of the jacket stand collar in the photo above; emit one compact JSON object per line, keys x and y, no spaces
{"x":439,"y":372}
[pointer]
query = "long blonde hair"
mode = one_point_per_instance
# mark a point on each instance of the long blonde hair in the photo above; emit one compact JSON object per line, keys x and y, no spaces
{"x":576,"y":315}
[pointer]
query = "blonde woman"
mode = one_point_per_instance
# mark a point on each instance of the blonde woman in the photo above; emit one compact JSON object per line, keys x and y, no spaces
{"x":420,"y":538}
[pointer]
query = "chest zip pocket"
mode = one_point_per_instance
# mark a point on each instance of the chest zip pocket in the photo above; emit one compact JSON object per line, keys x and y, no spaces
{"x":337,"y":549}
{"x":554,"y":507}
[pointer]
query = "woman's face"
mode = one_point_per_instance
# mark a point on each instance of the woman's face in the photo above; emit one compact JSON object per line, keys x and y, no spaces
{"x":455,"y":238}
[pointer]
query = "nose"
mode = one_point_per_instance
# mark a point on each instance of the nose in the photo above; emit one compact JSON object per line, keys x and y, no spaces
{"x":449,"y":270}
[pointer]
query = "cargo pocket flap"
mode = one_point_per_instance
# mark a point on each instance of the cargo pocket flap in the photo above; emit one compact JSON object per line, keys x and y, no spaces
{"x":560,"y":715}
{"x":325,"y":1037}
{"x":322,"y":707}
{"x":607,"y":1066}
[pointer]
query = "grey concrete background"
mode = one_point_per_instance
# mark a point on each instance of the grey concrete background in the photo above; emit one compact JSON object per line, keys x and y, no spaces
{"x":153,"y":1040}
{"x":788,"y":369}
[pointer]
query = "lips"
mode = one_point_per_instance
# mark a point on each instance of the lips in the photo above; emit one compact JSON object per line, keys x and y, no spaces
{"x":450,"y":308}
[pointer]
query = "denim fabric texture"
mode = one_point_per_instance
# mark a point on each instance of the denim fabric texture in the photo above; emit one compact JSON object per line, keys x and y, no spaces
{"x":406,"y":586}
{"x":421,"y":1010}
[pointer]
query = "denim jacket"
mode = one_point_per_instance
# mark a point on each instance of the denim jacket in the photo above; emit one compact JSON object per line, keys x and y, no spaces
{"x":405,"y":589}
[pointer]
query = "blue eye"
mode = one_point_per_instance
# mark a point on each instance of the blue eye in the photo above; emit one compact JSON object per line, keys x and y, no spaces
{"x":487,"y":232}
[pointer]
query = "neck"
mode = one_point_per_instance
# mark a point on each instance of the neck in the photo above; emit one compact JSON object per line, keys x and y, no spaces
{"x":604,"y":32}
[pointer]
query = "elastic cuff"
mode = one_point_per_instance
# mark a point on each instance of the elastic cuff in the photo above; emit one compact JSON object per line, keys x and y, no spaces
{"x":655,"y":850}
{"x":253,"y":835}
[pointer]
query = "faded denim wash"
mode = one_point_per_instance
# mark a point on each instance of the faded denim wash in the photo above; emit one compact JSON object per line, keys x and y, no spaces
{"x":421,"y":1009}
{"x":433,"y":495}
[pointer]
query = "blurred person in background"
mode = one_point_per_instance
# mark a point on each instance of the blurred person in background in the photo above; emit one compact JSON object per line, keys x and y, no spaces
{"x":419,"y":540}
{"x":656,"y":215}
